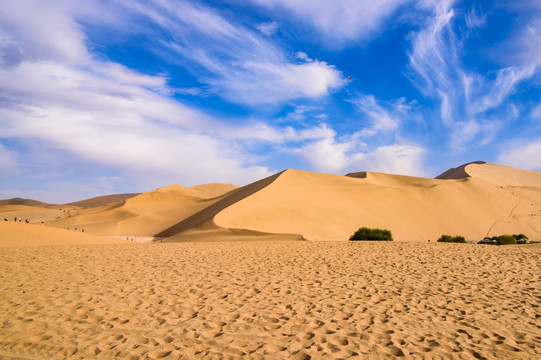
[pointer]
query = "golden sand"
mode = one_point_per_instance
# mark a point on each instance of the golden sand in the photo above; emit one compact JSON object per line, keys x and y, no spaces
{"x":270,"y":300}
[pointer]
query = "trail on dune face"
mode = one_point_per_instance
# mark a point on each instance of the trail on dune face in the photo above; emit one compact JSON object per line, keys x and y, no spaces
{"x":520,"y":184}
{"x":209,"y":212}
{"x":499,"y":221}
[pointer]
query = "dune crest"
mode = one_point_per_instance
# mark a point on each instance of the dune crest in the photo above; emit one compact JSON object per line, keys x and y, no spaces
{"x":102,"y":200}
{"x":504,"y":175}
{"x":458,"y":172}
{"x":141,"y":215}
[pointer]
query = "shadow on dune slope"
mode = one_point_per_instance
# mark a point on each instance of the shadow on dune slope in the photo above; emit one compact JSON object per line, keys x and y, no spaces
{"x":458,"y":172}
{"x":209,"y":212}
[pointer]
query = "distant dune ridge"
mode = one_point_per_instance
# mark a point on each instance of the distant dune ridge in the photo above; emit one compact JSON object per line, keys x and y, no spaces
{"x":102,"y":200}
{"x":474,"y":200}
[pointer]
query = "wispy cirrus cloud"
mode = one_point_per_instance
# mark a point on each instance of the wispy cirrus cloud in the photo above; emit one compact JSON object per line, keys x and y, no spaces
{"x":465,"y":97}
{"x":339,"y":22}
{"x":241,"y":64}
{"x":380,"y":119}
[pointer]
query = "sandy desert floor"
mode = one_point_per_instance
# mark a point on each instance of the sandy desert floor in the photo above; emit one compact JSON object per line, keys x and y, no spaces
{"x":277,"y":300}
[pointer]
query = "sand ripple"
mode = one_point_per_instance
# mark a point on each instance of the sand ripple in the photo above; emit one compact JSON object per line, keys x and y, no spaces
{"x":270,"y":301}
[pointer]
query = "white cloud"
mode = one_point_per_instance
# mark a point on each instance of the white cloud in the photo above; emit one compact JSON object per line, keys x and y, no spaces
{"x":528,"y":51}
{"x":331,"y":154}
{"x":339,"y":21}
{"x":474,"y":20}
{"x":381,"y":119}
{"x":265,"y":82}
{"x":241,"y":64}
{"x":432,"y":52}
{"x":42,"y":31}
{"x":120,"y":125}
{"x":392,"y":159}
{"x":522,"y":155}
{"x":501,"y":88}
{"x":327,"y":155}
{"x":268,"y":28}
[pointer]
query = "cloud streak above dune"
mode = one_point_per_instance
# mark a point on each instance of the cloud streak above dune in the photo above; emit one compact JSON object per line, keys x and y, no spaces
{"x":147,"y":94}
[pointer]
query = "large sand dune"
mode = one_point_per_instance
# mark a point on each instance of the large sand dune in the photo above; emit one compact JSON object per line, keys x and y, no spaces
{"x":330,"y":207}
{"x":474,"y":200}
{"x":145,"y":214}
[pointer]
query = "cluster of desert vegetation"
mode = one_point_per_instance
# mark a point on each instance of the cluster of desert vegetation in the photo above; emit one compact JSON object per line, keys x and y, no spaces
{"x":452,"y":239}
{"x":365,"y":233}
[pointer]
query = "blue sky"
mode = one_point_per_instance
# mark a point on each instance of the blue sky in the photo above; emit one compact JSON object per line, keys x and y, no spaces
{"x":113,"y":96}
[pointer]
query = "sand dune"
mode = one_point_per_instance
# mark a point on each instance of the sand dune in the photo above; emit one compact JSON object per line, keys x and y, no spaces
{"x":21,"y":201}
{"x":102,"y":200}
{"x":36,"y":214}
{"x":505,"y":175}
{"x":270,"y":300}
{"x":145,"y":214}
{"x":209,"y":212}
{"x":330,"y":207}
{"x":208,"y":191}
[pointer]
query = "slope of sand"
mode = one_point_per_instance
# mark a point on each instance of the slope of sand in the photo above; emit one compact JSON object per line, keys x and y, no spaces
{"x":205,"y":217}
{"x":36,"y":214}
{"x":331,"y":207}
{"x":504,"y":175}
{"x":142,"y":215}
{"x":458,"y":172}
{"x":270,"y":300}
{"x":208,"y":191}
{"x":20,"y":234}
{"x":102,"y":200}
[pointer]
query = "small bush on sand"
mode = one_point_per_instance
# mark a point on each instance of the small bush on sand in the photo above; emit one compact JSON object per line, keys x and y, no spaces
{"x":452,"y":239}
{"x":365,"y":233}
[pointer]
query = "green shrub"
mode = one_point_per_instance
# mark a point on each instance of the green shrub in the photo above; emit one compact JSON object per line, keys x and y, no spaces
{"x":505,"y":240}
{"x":452,"y":239}
{"x":365,"y":233}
